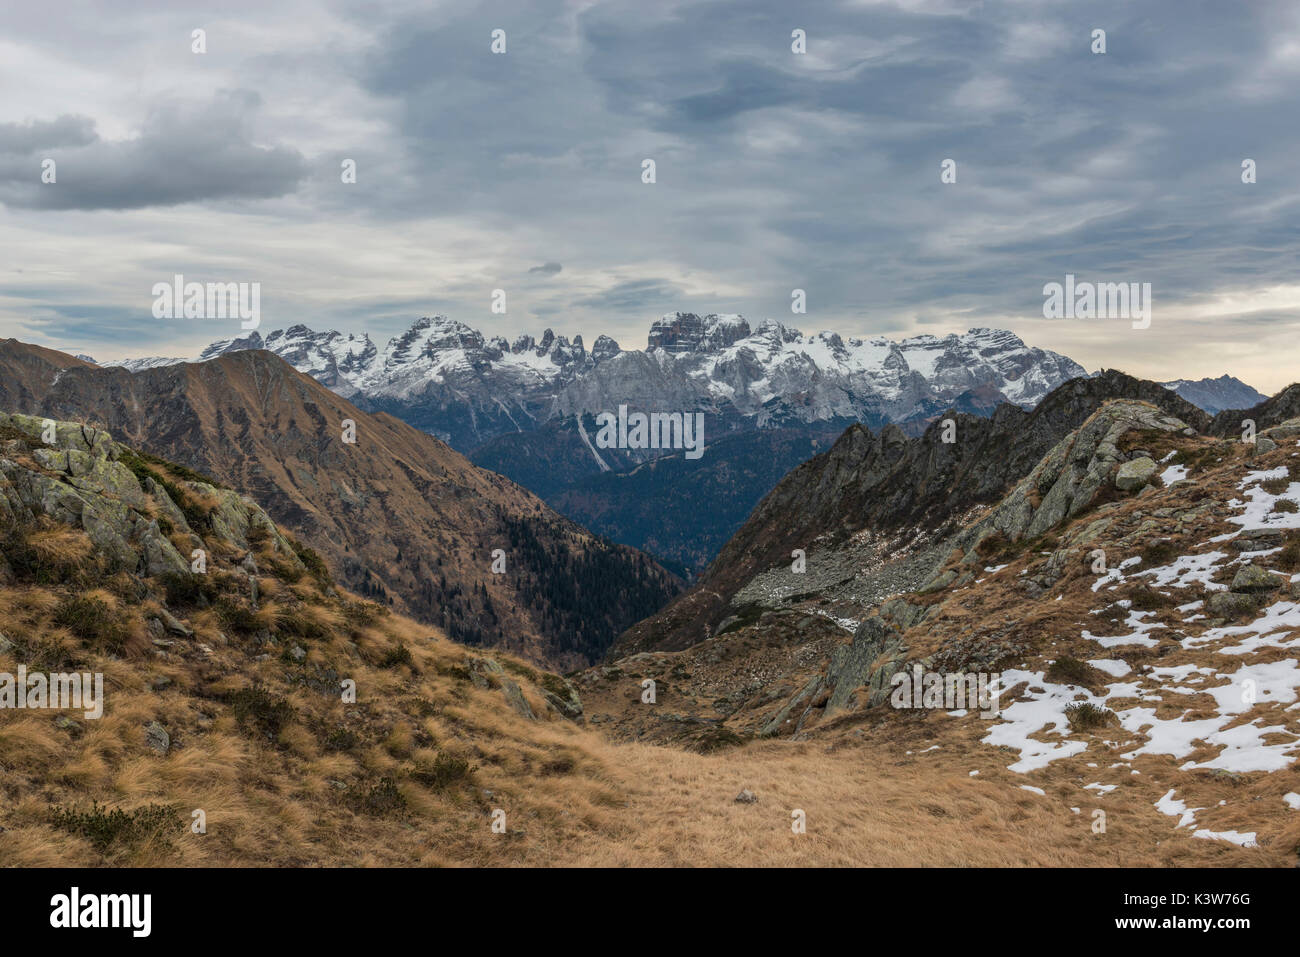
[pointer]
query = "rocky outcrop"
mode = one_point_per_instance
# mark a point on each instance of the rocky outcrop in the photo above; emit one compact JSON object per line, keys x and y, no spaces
{"x":1067,"y":481}
{"x":879,"y":484}
{"x":81,"y":477}
{"x":870,"y":661}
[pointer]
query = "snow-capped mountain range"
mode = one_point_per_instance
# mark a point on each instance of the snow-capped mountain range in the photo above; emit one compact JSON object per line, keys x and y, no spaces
{"x":449,"y":379}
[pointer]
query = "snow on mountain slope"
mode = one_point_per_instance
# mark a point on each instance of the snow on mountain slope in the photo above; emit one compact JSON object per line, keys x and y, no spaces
{"x":450,"y":379}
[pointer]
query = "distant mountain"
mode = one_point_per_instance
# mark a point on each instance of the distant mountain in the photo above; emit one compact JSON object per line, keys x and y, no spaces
{"x":450,"y":380}
{"x":397,"y":514}
{"x":1215,"y":395}
{"x":526,"y":408}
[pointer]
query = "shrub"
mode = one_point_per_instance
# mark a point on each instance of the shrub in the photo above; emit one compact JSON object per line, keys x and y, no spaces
{"x":445,"y":771}
{"x":186,"y":589}
{"x":341,"y":739}
{"x":104,"y":826}
{"x":258,"y":711}
{"x":309,"y":557}
{"x":397,"y":655}
{"x":1146,"y":598}
{"x":1086,"y":716}
{"x":1289,"y":558}
{"x":1158,"y":553}
{"x":1286,"y":505}
{"x":237,"y":615}
{"x":383,"y":797}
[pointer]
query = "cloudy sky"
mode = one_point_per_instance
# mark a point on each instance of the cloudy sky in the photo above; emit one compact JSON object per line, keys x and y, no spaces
{"x":775,"y":171}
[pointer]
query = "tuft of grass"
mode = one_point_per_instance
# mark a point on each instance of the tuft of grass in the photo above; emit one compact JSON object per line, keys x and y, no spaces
{"x":298,"y":625}
{"x":1146,"y":598}
{"x":237,"y":614}
{"x":1158,"y":553}
{"x":1289,"y":558}
{"x":93,"y":621}
{"x":1275,"y":486}
{"x":1072,"y":671}
{"x":382,"y":797}
{"x":1286,"y":505}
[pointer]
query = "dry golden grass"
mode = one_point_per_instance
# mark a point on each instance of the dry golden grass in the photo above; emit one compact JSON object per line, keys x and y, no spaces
{"x":378,"y":783}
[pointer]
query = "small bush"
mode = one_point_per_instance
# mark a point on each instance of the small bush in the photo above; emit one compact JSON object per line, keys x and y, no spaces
{"x":445,"y":771}
{"x":342,"y":739}
{"x":309,"y":557}
{"x":1086,"y":716}
{"x":260,"y":712}
{"x":1289,"y":558}
{"x":236,"y":614}
{"x":383,"y":797}
{"x":397,"y":655}
{"x":1286,"y":505}
{"x":1275,"y":486}
{"x":1146,"y":598}
{"x":104,"y":826}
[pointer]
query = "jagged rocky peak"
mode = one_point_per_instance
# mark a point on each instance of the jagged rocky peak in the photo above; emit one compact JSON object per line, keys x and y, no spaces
{"x":447,"y":333}
{"x":222,"y":346}
{"x":604,"y":348}
{"x":688,"y":332}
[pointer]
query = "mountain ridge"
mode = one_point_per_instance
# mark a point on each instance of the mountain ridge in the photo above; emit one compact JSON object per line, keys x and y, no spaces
{"x":397,"y":513}
{"x":448,"y":378}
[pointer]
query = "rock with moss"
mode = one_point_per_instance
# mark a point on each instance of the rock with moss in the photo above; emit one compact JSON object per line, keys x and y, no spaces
{"x":1135,"y":474}
{"x":1251,"y":578}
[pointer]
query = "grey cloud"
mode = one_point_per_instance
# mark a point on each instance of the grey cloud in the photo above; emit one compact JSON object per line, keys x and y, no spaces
{"x":64,"y":131}
{"x":185,"y":153}
{"x":774,"y":171}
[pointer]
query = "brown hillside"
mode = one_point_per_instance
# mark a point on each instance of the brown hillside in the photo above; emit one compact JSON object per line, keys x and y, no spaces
{"x":398,"y":514}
